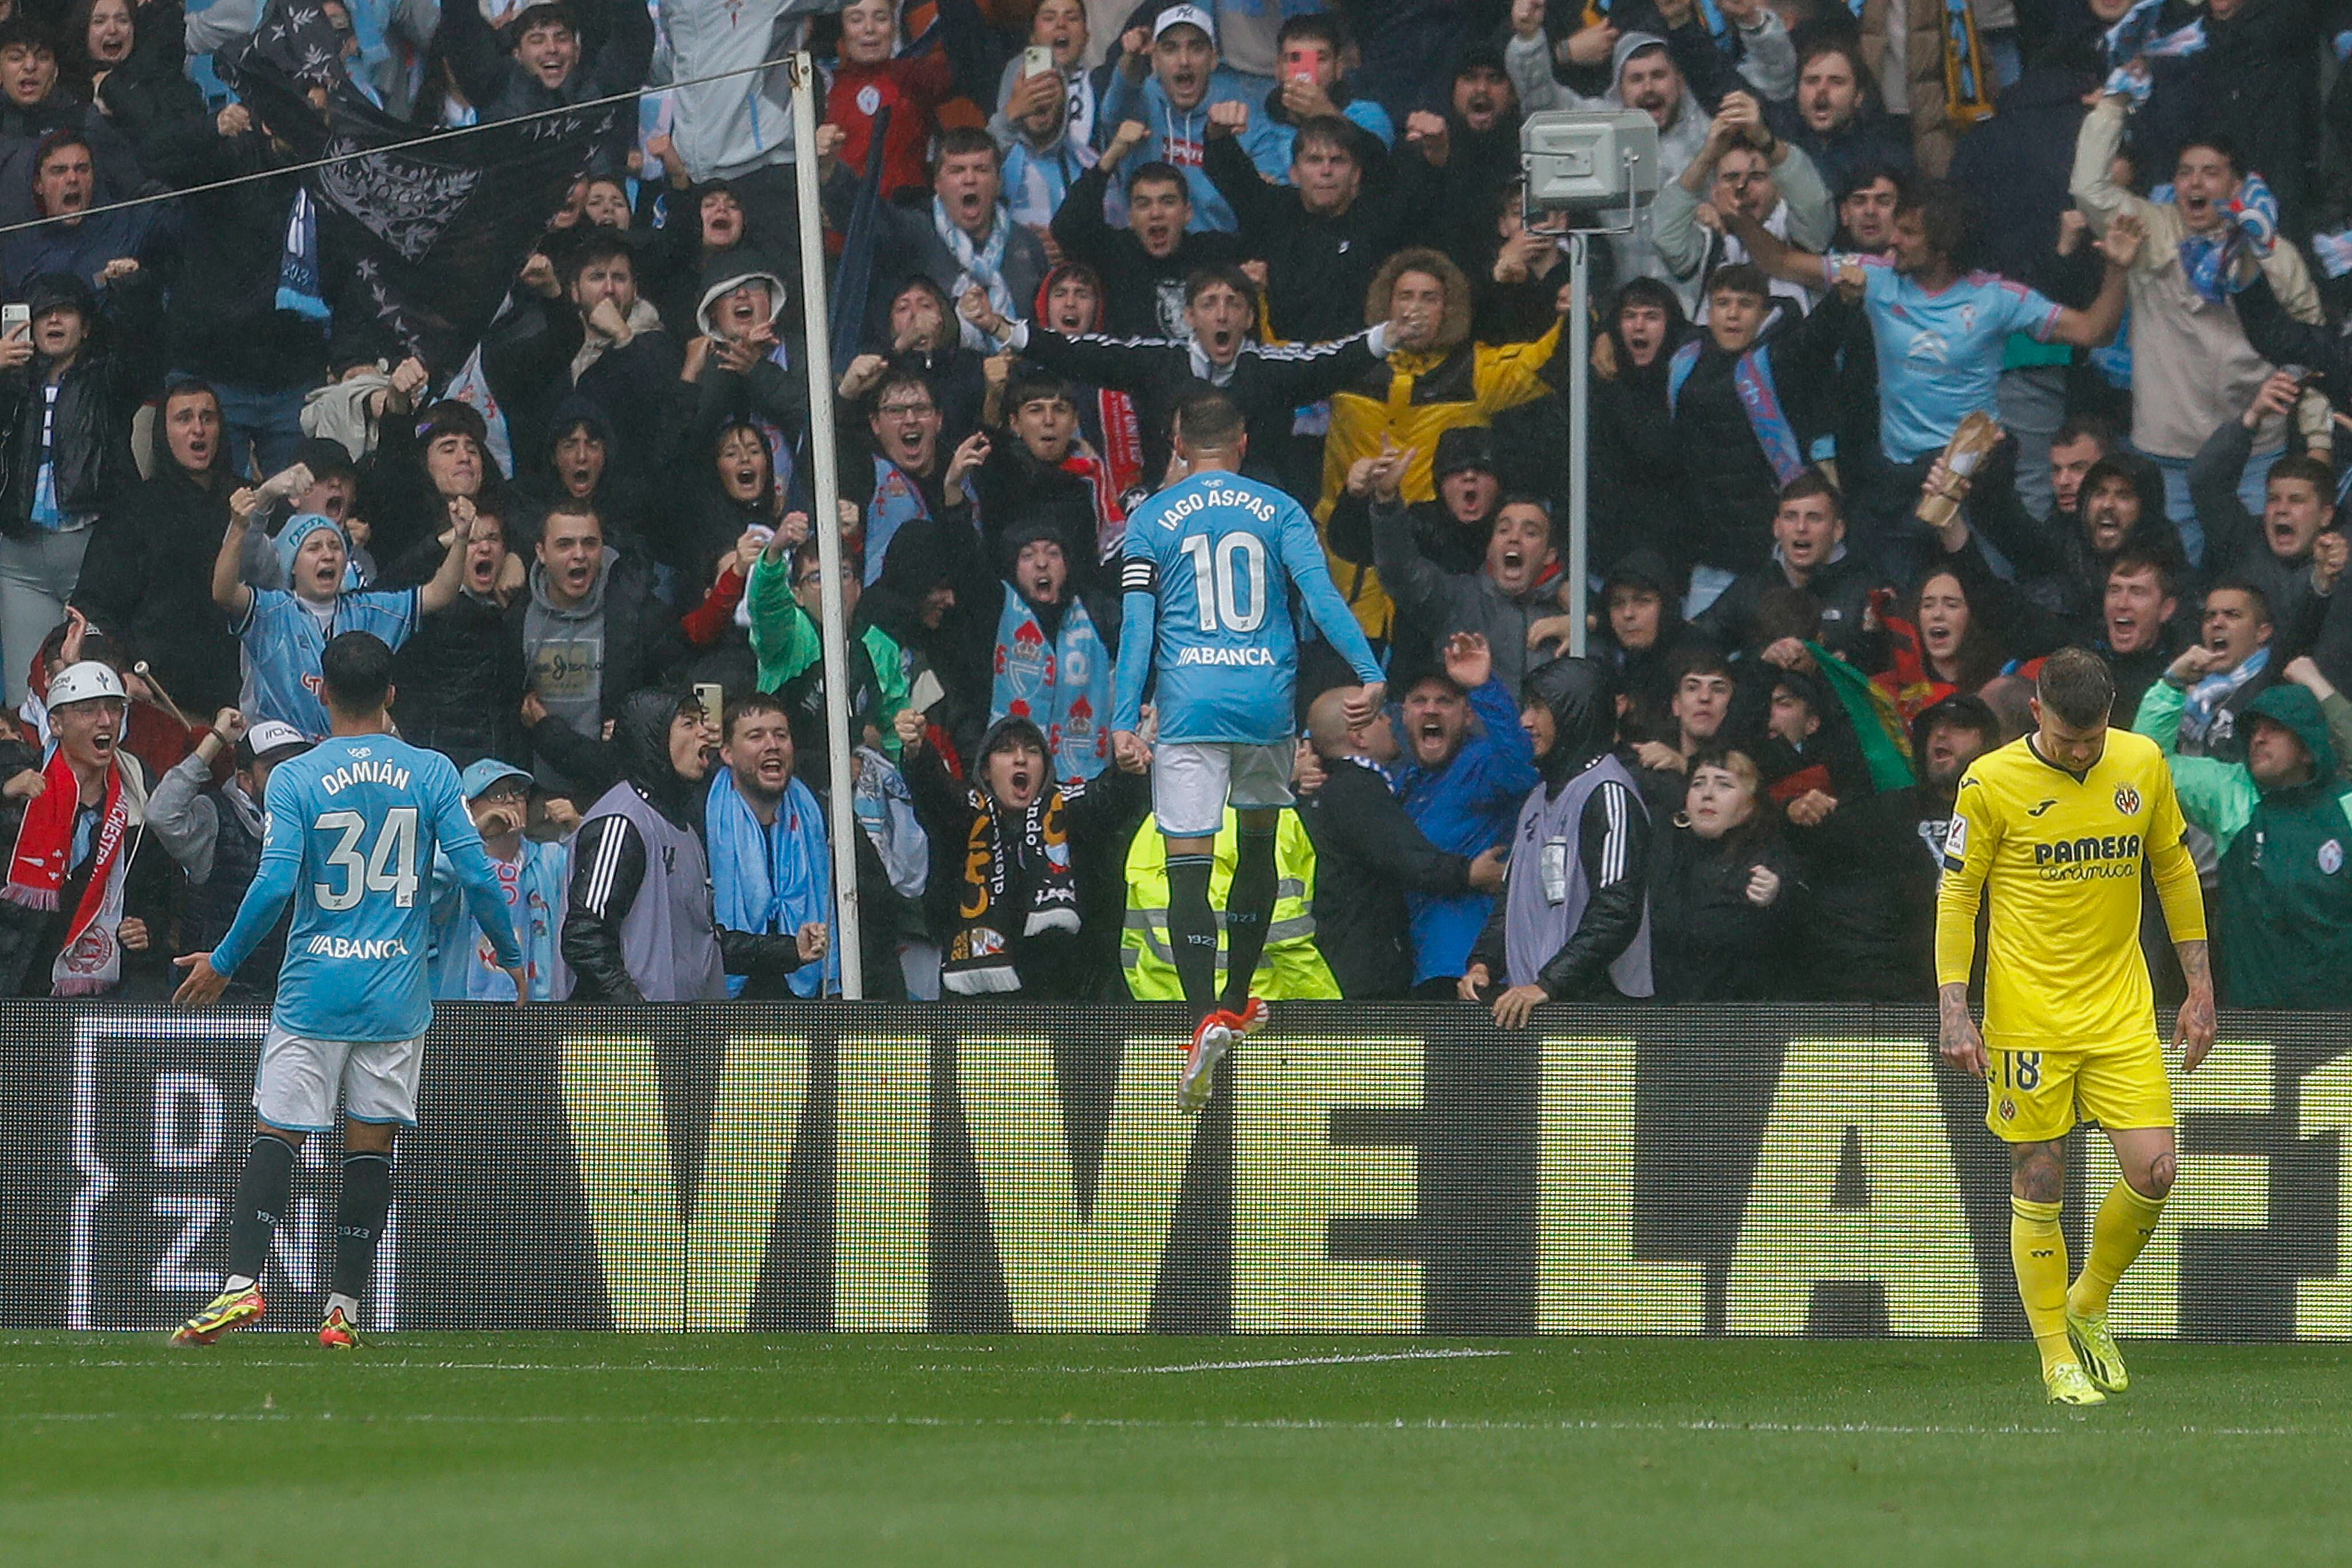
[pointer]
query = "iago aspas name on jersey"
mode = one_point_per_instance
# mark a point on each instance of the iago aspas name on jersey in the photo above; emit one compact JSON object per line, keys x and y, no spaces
{"x":1262,"y":508}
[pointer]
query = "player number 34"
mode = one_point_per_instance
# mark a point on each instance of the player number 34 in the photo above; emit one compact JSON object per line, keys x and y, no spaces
{"x":390,"y":866}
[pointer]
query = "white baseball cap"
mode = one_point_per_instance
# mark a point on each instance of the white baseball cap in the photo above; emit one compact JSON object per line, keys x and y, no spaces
{"x":273,"y":735}
{"x":1184,"y":16}
{"x":84,"y":682}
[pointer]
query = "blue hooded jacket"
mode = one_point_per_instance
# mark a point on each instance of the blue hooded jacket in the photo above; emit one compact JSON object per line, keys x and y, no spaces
{"x":1181,"y":137}
{"x":1467,"y":807}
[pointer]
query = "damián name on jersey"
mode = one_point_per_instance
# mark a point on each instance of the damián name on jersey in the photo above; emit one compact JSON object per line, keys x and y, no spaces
{"x":351,"y":773}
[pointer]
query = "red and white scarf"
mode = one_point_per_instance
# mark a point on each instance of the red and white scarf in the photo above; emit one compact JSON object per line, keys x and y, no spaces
{"x":1122,"y":432}
{"x":91,"y":961}
{"x":1110,"y":516}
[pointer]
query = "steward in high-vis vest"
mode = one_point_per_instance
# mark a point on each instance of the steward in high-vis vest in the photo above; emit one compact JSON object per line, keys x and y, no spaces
{"x":1292,"y":968}
{"x":2282,"y":821}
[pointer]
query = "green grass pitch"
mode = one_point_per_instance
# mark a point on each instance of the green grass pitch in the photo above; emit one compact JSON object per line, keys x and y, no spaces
{"x":514,"y":1449}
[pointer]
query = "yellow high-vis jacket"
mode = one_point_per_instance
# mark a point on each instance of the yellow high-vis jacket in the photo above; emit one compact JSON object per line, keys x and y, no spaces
{"x":1292,"y":968}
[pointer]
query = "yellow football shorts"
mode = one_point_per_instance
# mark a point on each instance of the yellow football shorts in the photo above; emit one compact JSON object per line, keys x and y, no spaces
{"x":2033,"y":1096}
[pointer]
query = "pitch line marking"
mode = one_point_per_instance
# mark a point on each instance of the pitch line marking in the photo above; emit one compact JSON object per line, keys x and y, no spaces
{"x":1431,"y":1355}
{"x":1434,"y":1424}
{"x":1435,"y":1353}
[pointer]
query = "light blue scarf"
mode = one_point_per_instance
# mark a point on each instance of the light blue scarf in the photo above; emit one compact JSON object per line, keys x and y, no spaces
{"x":2133,"y":41}
{"x":2207,"y":697}
{"x":898,"y":501}
{"x":2250,"y":228}
{"x":298,"y":262}
{"x":984,"y":265}
{"x":1760,"y":400}
{"x":1062,"y":685}
{"x":771,"y":882}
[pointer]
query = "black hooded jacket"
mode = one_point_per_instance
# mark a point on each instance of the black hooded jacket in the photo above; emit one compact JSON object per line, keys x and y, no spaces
{"x":768,"y":397}
{"x":1636,"y":498}
{"x":1711,"y":943}
{"x":605,"y":883}
{"x":706,"y":522}
{"x":1613,"y":839}
{"x":960,"y":651}
{"x":90,"y":425}
{"x":1645,"y":674}
{"x":2063,"y":580}
{"x":619,"y":500}
{"x":147,"y":577}
{"x":457,"y":687}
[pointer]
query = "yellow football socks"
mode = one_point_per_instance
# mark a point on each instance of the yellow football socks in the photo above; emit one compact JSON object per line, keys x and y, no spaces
{"x":2127,"y":1219}
{"x":2037,"y":1248}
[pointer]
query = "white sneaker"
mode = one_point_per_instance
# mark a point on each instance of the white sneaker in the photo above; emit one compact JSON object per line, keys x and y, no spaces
{"x":1211,"y":1040}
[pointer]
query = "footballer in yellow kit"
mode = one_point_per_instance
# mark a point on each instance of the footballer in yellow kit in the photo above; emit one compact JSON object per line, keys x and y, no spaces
{"x":2052,"y":831}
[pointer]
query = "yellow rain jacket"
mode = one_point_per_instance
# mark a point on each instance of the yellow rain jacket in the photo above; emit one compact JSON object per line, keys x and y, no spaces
{"x":1414,"y":398}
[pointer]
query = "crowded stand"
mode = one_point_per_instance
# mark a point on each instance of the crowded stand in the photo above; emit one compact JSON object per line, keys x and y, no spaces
{"x":1953,"y":339}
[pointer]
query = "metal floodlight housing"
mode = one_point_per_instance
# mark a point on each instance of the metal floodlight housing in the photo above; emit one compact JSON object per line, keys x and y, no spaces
{"x":1600,"y":167}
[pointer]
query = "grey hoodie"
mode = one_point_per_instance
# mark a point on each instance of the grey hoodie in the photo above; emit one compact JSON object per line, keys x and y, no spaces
{"x":1443,"y":602}
{"x":1527,"y":61}
{"x":749,"y":267}
{"x":564,"y":650}
{"x":727,"y":128}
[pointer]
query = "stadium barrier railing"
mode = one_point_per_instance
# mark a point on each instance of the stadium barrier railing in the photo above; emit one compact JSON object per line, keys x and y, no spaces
{"x":997,"y":1166}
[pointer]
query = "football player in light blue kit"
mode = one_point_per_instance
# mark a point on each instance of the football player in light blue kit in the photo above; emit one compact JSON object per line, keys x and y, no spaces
{"x":1211,"y":561}
{"x":352,"y":825}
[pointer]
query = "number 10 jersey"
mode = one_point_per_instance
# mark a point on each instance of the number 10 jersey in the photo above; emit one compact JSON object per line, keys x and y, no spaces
{"x":1211,"y":561}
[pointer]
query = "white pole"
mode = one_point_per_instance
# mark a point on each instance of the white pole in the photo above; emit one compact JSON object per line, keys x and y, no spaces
{"x":1579,"y":433}
{"x":827,"y":527}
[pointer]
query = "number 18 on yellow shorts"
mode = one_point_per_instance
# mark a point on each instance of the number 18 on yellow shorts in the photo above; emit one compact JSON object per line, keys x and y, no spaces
{"x":2033,"y":1096}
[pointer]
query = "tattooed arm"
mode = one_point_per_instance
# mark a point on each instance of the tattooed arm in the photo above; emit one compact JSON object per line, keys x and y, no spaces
{"x":2195,"y":1028}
